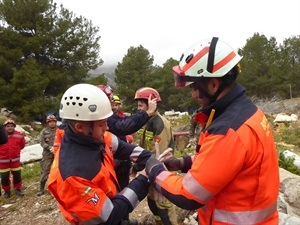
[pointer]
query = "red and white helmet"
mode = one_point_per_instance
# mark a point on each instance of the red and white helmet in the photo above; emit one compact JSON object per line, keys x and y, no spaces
{"x":207,"y":58}
{"x":85,"y":102}
{"x":107,"y":90}
{"x":51,"y":118}
{"x":145,"y":92}
{"x":9,"y":121}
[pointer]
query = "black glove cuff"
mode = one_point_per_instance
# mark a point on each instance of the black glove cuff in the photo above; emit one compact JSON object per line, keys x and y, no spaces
{"x":156,"y":170}
{"x":137,"y":184}
{"x":138,"y":167}
{"x":187,"y":162}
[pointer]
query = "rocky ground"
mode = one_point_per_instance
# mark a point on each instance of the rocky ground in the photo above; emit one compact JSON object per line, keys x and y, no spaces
{"x":33,"y":210}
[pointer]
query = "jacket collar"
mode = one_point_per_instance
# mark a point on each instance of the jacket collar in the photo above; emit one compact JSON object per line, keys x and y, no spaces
{"x":219,"y":105}
{"x":81,"y":139}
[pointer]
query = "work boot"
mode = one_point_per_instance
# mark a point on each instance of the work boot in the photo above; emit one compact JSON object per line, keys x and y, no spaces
{"x":6,"y":194}
{"x":40,"y":193}
{"x":42,"y":188}
{"x":19,"y":192}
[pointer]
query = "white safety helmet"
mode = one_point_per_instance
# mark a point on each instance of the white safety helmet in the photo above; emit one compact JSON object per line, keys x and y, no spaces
{"x":85,"y":102}
{"x":207,"y":58}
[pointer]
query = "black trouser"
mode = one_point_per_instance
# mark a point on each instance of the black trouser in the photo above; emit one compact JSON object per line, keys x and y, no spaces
{"x":5,"y":181}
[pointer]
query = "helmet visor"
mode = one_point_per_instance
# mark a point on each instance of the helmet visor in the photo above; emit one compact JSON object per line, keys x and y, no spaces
{"x":179,"y":77}
{"x":108,"y":91}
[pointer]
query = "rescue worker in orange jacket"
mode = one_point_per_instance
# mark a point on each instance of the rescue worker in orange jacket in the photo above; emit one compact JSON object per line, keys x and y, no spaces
{"x":82,"y":177}
{"x":123,"y":126}
{"x":233,"y":177}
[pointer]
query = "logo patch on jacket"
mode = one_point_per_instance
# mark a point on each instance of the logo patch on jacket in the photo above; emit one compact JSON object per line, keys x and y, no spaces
{"x":94,"y":199}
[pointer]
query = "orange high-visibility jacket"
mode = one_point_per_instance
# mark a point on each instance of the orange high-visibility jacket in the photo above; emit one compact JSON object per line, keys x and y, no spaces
{"x":234,"y":176}
{"x":83,"y":179}
{"x":97,"y":192}
{"x":58,"y":139}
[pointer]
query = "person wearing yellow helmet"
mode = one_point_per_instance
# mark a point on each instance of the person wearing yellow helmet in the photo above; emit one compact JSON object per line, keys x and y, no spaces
{"x":116,"y":99}
{"x":116,"y":105}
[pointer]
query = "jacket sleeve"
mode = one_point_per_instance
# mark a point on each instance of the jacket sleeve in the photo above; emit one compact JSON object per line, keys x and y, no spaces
{"x":125,"y":151}
{"x":91,"y":205}
{"x":121,"y":126}
{"x":212,"y":169}
{"x":23,"y":142}
{"x":3,"y":135}
{"x":42,"y":140}
{"x":58,"y":139}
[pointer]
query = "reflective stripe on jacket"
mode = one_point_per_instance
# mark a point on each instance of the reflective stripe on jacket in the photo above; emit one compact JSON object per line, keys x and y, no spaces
{"x":234,"y":176}
{"x":157,"y":127}
{"x":94,"y":191}
{"x":83,"y":180}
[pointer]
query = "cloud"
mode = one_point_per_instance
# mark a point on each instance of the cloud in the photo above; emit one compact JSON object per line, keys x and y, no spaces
{"x":167,"y":28}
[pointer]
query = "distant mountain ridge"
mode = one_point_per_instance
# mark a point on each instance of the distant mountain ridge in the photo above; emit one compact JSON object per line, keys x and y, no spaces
{"x":108,"y":71}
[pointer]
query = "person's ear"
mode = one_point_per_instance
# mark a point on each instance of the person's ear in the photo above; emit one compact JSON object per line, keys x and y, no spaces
{"x":79,"y":127}
{"x":214,"y":85}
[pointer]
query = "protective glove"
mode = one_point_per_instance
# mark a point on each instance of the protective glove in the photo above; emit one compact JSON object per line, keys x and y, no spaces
{"x":174,"y":164}
{"x":151,"y":163}
{"x":152,"y":105}
{"x":129,"y":138}
{"x":166,"y":154}
{"x":158,"y":197}
{"x":192,"y":143}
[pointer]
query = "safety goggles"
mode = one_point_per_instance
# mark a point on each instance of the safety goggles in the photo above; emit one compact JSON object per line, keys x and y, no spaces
{"x":108,"y":91}
{"x":181,"y":78}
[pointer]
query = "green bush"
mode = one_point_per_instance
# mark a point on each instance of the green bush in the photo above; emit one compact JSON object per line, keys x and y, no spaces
{"x":287,"y":163}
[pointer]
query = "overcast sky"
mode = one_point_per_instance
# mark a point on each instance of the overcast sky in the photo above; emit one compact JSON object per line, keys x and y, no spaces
{"x":169,"y":27}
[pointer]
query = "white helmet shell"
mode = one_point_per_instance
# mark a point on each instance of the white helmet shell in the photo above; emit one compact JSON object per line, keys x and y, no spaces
{"x":194,"y":62}
{"x":85,"y":102}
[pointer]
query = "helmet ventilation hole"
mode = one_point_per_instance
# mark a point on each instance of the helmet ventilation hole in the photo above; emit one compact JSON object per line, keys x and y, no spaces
{"x":189,"y":58}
